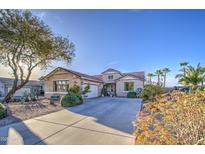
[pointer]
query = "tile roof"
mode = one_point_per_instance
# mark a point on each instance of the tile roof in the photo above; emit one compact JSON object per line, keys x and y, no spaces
{"x":82,"y":75}
{"x":140,"y":75}
{"x":86,"y":76}
{"x":110,"y":69}
{"x":97,"y":78}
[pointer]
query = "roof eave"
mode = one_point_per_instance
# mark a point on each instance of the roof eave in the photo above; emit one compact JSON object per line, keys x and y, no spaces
{"x":92,"y":80}
{"x":131,"y":76}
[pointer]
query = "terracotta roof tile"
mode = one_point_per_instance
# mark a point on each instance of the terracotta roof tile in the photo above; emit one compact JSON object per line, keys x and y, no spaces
{"x":82,"y":75}
{"x":98,"y":78}
{"x":137,"y":74}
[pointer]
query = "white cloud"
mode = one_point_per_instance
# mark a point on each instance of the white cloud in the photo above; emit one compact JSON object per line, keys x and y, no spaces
{"x":45,"y":15}
{"x":41,"y":15}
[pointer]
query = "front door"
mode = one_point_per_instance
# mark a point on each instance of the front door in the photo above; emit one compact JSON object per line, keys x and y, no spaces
{"x":111,"y":89}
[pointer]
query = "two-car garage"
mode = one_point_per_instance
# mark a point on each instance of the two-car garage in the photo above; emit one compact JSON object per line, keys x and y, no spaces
{"x":94,"y":91}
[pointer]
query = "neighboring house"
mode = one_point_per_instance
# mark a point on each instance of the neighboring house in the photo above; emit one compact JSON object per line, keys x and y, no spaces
{"x":59,"y":80}
{"x":31,"y":86}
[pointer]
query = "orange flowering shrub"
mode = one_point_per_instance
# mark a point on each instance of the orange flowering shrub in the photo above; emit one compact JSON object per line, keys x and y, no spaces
{"x":176,"y":118}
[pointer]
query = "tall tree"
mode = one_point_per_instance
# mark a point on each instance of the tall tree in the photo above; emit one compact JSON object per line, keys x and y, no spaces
{"x":184,"y":65}
{"x":158,"y":73}
{"x":194,"y":76}
{"x":26,"y":43}
{"x":165,"y":71}
{"x":202,"y":83}
{"x":150,"y":76}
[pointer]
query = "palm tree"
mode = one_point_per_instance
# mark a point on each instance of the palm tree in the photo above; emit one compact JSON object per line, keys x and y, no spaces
{"x":184,"y":65}
{"x":194,"y":76}
{"x":158,"y":73}
{"x":202,"y":70}
{"x":183,"y":70}
{"x":150,"y":76}
{"x":202,"y":83}
{"x":165,"y":71}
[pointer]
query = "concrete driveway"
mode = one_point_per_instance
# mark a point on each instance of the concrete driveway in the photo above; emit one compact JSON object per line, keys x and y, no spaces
{"x":98,"y":121}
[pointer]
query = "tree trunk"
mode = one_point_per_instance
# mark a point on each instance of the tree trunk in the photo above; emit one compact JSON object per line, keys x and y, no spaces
{"x":149,"y":80}
{"x":184,"y":71}
{"x":8,"y":97}
{"x":15,"y":87}
{"x":158,"y":80}
{"x":165,"y":80}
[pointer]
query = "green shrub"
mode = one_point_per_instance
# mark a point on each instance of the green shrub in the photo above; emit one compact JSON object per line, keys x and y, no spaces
{"x":104,"y":91}
{"x":76,"y":89}
{"x":80,"y":97}
{"x":33,"y":96}
{"x":71,"y":99}
{"x":132,"y":94}
{"x":150,"y":91}
{"x":86,"y":89}
{"x":26,"y":96}
{"x":3,"y":111}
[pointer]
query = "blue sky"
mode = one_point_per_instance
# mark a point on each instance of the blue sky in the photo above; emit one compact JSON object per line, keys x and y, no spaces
{"x":130,"y":40}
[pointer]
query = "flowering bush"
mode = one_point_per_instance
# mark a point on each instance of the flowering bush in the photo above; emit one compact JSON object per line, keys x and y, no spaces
{"x":176,"y":118}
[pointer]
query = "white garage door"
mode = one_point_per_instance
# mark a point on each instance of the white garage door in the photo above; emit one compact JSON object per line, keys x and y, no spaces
{"x":93,"y":91}
{"x":21,"y":91}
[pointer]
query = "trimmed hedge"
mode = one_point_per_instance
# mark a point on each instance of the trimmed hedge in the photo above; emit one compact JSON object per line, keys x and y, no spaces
{"x":71,"y":99}
{"x":3,"y":111}
{"x":132,"y":94}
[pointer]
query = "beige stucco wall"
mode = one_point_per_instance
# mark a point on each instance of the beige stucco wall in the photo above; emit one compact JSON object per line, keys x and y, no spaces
{"x":115,"y":76}
{"x":73,"y":79}
{"x":120,"y":85}
{"x":60,"y":75}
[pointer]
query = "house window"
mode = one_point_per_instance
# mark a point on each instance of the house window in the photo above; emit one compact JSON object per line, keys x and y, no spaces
{"x":60,"y":85}
{"x":110,"y":77}
{"x":129,"y":86}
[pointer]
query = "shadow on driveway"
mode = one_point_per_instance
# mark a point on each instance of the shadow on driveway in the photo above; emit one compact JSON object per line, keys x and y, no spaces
{"x":117,"y":113}
{"x":18,"y":133}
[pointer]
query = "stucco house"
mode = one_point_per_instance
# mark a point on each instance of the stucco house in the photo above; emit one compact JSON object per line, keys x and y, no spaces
{"x":31,"y":86}
{"x":117,"y":83}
